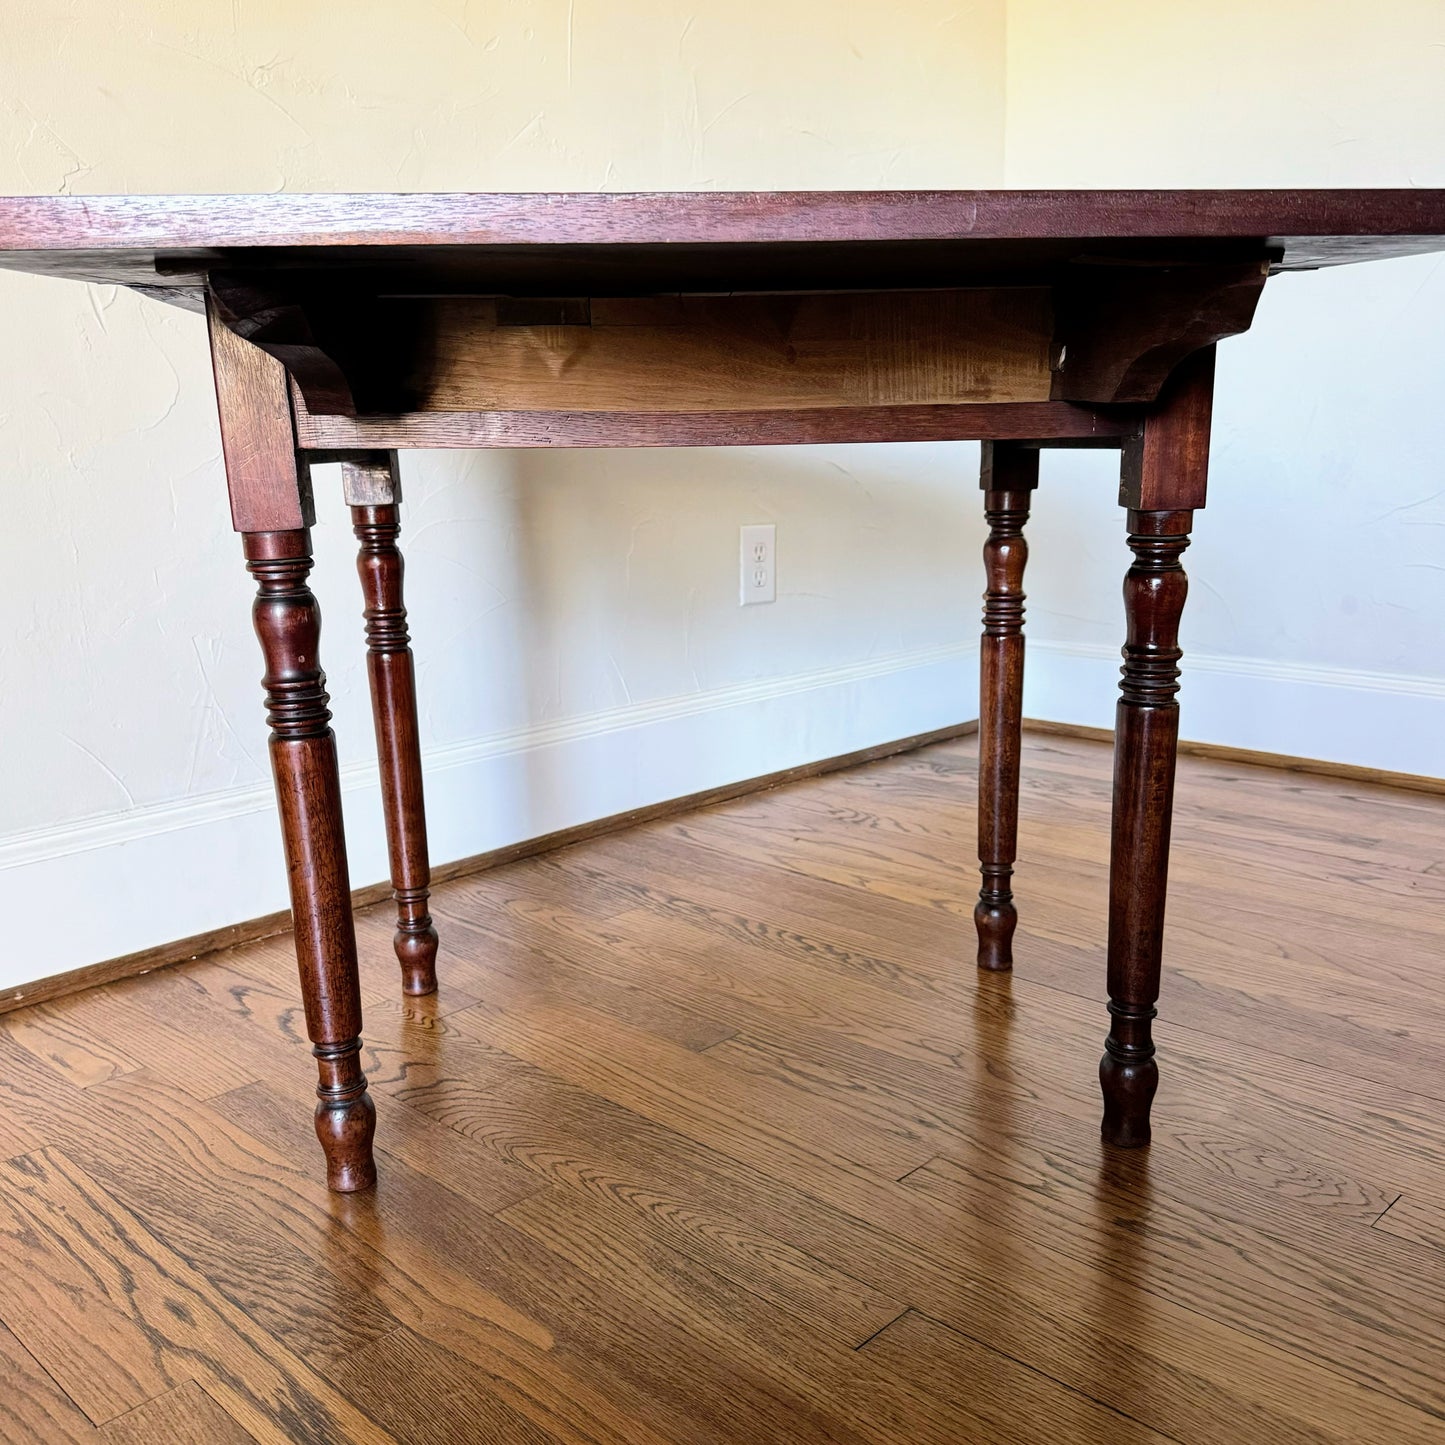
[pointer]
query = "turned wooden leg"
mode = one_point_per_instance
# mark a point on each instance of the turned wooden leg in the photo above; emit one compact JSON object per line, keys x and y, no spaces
{"x":308,"y":794}
{"x":373,"y":492}
{"x":1009,"y":475}
{"x":1146,"y":730}
{"x":1164,"y":476}
{"x":271,"y":507}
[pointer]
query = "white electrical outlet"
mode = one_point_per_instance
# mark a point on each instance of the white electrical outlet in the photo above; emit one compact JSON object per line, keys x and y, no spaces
{"x":759,"y":563}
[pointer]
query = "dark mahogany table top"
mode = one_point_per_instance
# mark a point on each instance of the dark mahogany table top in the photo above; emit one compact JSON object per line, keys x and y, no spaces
{"x":549,"y":243}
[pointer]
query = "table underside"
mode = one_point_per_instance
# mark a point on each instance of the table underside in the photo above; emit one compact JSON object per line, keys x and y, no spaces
{"x":718,"y":317}
{"x":1067,"y":359}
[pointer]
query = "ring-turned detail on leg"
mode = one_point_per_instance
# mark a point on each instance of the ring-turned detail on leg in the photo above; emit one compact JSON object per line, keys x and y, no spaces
{"x":1165,"y":470}
{"x":1009,"y":475}
{"x":373,"y":491}
{"x":308,"y":793}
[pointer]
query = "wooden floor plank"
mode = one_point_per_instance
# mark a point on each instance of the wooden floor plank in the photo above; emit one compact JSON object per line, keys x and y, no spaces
{"x":122,"y":1019}
{"x":392,"y":1262}
{"x":1291,"y":857}
{"x":713,"y":1134}
{"x":918,"y":1100}
{"x":17,"y":1134}
{"x":1022,"y":1404}
{"x":186,"y":1415}
{"x":935,"y":1117}
{"x":1372,"y":1360}
{"x":692,"y":1094}
{"x":854,"y":1399}
{"x":49,"y":1032}
{"x":811,"y":1032}
{"x":1331,"y":995}
{"x":571,"y":1138}
{"x":611,"y":1372}
{"x":117,"y":1318}
{"x":1270,"y":1277}
{"x":213,"y":1193}
{"x":32,"y":1405}
{"x":1395,"y":1135}
{"x":527,"y":966}
{"x":1167,"y":1365}
{"x":1416,"y":1217}
{"x":425,"y":1395}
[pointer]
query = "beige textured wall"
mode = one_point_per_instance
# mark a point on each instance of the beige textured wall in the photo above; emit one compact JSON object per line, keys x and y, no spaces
{"x":545,"y":590}
{"x":173,"y":95}
{"x":1313,"y":625}
{"x":1228,"y":93}
{"x":580,"y":643}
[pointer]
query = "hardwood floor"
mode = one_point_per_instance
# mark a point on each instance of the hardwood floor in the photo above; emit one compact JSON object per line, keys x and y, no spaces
{"x":714,"y":1134}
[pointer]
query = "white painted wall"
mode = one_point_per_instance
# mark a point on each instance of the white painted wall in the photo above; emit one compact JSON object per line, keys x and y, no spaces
{"x":580,"y":644}
{"x":1318,"y":570}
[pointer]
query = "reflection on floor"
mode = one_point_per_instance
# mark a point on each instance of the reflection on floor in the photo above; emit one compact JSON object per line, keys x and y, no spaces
{"x":714,"y":1134}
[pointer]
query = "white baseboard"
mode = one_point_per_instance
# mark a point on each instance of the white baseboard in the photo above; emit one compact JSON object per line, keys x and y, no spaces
{"x":110,"y":886}
{"x":105,"y":887}
{"x":1369,"y":719}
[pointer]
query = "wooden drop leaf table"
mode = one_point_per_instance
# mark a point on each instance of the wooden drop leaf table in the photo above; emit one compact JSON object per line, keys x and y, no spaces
{"x":348,"y":327}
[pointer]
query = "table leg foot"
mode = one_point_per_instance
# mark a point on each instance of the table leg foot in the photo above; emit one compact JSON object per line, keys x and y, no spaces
{"x":1009,"y":475}
{"x":308,"y":796}
{"x":994,"y":920}
{"x":1128,"y":1076}
{"x":373,"y":491}
{"x":345,"y":1118}
{"x":416,"y":945}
